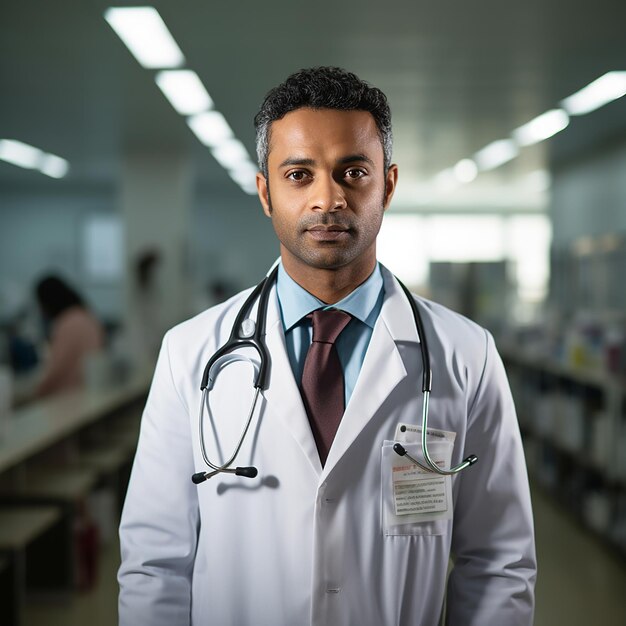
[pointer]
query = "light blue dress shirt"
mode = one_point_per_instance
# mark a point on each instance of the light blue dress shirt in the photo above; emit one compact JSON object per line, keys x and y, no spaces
{"x":364,"y":304}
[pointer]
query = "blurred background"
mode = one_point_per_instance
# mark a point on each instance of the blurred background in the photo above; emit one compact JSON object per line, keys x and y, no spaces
{"x":127,"y":204}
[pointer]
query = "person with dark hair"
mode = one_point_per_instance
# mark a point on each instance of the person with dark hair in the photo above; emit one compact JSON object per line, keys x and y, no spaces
{"x":339,"y":498}
{"x":323,"y":88}
{"x":72,"y":331}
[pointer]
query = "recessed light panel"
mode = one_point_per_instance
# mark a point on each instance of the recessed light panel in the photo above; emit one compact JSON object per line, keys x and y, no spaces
{"x":184,"y":90}
{"x":20,"y":153}
{"x":543,"y":127}
{"x":495,"y":154}
{"x":601,"y":91}
{"x":53,"y":166}
{"x":231,"y":154}
{"x":211,"y":128}
{"x":146,"y":36}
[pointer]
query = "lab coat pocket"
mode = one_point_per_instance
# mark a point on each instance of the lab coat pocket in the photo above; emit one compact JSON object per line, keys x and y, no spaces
{"x":413,"y":501}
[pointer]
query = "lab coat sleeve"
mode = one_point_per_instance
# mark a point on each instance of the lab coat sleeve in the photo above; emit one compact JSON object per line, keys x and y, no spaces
{"x":493,"y":577}
{"x":160,"y":521}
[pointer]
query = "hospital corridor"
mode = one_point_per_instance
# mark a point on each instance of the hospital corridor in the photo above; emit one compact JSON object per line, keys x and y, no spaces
{"x":312,"y":314}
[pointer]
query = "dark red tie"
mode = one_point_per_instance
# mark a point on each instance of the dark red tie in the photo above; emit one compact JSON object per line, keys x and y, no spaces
{"x":322,"y":378}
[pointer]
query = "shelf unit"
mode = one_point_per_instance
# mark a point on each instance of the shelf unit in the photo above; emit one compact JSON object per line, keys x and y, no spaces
{"x":573,"y":424}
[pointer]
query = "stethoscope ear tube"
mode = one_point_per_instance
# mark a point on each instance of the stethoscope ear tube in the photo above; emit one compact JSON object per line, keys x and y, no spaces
{"x":222,"y":357}
{"x":427,"y":374}
{"x":236,"y":341}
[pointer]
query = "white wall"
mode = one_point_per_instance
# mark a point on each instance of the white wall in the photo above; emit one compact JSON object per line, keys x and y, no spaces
{"x":232,"y":239}
{"x":40,"y":233}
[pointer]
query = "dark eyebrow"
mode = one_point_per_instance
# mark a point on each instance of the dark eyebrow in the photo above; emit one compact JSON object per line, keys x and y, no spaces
{"x":351,"y":158}
{"x":296,"y":161}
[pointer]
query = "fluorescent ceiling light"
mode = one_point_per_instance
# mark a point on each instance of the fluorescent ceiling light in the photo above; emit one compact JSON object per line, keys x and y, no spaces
{"x":244,"y":176}
{"x":184,"y":90}
{"x":146,"y":36}
{"x":53,"y":166}
{"x":601,"y":91}
{"x":230,"y":154}
{"x":495,"y":154}
{"x":249,"y":189}
{"x":465,"y":171}
{"x":246,"y":168}
{"x":542,"y":127}
{"x":19,"y":153}
{"x":25,"y":155}
{"x":210,"y":127}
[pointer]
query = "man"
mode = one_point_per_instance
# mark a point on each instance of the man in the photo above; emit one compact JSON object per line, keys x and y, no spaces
{"x":337,"y":529}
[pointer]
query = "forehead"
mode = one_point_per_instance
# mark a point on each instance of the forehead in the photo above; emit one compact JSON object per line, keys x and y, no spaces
{"x":324,"y":133}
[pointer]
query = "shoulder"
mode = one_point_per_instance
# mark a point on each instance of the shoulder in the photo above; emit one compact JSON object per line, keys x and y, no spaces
{"x":463,"y":353}
{"x":455,"y":343}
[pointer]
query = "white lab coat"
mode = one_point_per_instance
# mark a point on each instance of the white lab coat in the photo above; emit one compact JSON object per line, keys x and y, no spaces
{"x":301,"y":544}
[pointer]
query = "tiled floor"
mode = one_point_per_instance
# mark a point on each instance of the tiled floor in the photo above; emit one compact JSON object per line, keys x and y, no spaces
{"x":580,"y":583}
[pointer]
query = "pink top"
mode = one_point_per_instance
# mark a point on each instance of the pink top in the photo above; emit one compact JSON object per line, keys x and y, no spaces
{"x":75,"y":334}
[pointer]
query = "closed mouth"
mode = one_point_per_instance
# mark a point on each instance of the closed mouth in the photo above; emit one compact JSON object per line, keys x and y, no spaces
{"x":330,"y":229}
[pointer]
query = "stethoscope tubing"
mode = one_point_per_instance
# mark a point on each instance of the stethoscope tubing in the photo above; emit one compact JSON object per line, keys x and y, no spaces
{"x":257,"y":342}
{"x":227,"y":464}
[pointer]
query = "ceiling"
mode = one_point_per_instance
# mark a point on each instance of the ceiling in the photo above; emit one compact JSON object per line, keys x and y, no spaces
{"x":458,"y":75}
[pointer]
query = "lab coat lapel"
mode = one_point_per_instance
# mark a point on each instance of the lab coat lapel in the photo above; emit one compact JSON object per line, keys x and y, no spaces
{"x":382,"y":370}
{"x":283,"y":396}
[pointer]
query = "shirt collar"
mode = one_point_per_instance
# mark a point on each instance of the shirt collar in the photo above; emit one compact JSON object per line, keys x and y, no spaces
{"x":296,"y":302}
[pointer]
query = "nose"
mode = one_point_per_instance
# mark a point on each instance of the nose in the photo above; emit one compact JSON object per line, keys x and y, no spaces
{"x":326,"y":194}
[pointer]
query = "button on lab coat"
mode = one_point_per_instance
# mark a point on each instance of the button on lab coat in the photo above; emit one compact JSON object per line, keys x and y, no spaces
{"x":301,"y":544}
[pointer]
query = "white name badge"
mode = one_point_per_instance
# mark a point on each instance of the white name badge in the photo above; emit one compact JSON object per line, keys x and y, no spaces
{"x":411,"y":494}
{"x":418,"y":494}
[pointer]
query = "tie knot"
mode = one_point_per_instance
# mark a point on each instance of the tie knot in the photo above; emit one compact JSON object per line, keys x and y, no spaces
{"x":327,"y":325}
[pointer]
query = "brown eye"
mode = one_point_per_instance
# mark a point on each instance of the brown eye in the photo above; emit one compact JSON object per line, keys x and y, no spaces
{"x":298,"y":175}
{"x":355,"y":173}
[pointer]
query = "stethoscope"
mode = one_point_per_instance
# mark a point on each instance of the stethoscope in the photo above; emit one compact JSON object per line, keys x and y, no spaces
{"x":246,"y":333}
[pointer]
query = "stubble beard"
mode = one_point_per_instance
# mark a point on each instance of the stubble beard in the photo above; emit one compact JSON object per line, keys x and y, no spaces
{"x":323,"y":258}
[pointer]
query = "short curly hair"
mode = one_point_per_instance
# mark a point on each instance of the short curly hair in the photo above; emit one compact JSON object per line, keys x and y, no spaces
{"x":322,"y":88}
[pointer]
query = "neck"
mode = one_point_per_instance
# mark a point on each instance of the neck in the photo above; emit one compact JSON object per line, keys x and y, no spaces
{"x":329,"y":285}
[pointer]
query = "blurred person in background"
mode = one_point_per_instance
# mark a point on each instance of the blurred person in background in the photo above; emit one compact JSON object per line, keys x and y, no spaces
{"x":72,"y":331}
{"x":147,"y":326}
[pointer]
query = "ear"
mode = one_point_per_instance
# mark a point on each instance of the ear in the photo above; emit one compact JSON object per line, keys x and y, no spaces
{"x":391,"y":180}
{"x":263,"y":191}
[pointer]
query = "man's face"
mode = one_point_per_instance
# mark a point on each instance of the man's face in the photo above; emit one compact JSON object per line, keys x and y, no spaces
{"x":328,"y":188}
